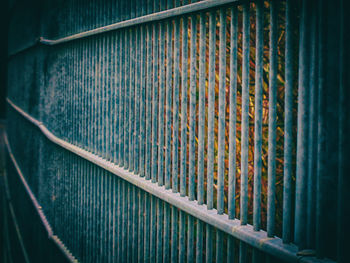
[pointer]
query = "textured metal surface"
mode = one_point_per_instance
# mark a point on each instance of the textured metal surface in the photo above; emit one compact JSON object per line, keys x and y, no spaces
{"x":175,"y":131}
{"x":38,"y":209}
{"x":211,"y":217}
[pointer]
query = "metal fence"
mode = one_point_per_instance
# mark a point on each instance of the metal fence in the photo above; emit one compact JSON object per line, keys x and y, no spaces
{"x":161,"y":131}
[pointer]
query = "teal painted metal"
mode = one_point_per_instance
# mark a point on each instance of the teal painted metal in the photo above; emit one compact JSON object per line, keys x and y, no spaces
{"x":288,"y":136}
{"x":303,"y":115}
{"x":201,"y":108}
{"x":211,"y":111}
{"x":139,"y":190}
{"x":232,"y":116}
{"x":168,"y":107}
{"x":245,"y":117}
{"x":155,"y":90}
{"x":222,"y":110}
{"x":192,"y":116}
{"x":245,"y":127}
{"x":175,"y":150}
{"x":258,"y":115}
{"x":184,"y":99}
{"x":162,"y":72}
{"x":271,"y":192}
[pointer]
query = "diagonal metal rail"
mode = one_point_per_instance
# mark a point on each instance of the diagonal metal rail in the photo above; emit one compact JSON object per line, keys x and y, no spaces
{"x":157,"y":16}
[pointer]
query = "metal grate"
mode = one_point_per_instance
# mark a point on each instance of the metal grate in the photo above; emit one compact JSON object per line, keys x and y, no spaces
{"x":168,"y":131}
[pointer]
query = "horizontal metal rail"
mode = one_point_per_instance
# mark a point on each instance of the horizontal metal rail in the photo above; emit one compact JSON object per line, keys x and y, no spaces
{"x":162,"y":15}
{"x":37,"y":206}
{"x":233,"y":227}
{"x":14,"y":220}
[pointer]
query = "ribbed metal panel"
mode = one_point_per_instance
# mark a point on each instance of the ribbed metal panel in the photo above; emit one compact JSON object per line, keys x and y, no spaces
{"x":168,"y":131}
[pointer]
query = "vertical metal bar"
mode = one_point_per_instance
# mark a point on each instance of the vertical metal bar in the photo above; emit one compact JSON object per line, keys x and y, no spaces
{"x":147,"y":229}
{"x":174,"y":234}
{"x":258,"y":114}
{"x":154,"y":146}
{"x":161,"y":102}
{"x":168,"y":108}
{"x":115,"y":217}
{"x":106,"y":227}
{"x":137,"y":101}
{"x":230,"y":249}
{"x":111,"y":88}
{"x":133,"y":50}
{"x":184,"y":88}
{"x":85,"y":207}
{"x":211,"y":111}
{"x":199,"y":242}
{"x":117,"y":220}
{"x":108,"y":211}
{"x":90,"y":92}
{"x":159,"y":239}
{"x":90,"y":209}
{"x":219,"y":245}
{"x":121,"y":98}
{"x":222,"y":110}
{"x":99,"y":98}
{"x":93,"y":201}
{"x":201,"y":108}
{"x":288,"y":125}
{"x":245,"y":127}
{"x":130,"y":201}
{"x":103,"y":98}
{"x":211,"y":108}
{"x":301,"y":167}
{"x":141,"y":217}
{"x":321,"y":132}
{"x":95,"y":221}
{"x":245,"y":116}
{"x":142,"y":99}
{"x":126,"y":98}
{"x":190,"y":239}
{"x":242,"y":252}
{"x":271,"y":162}
{"x":101,"y":215}
{"x":116,"y":129}
{"x":192,"y":125}
{"x":343,"y":213}
{"x":209,"y":246}
{"x":182,"y":236}
{"x":124,"y":231}
{"x":153,"y":229}
{"x":132,"y":99}
{"x":135,"y":230}
{"x":121,"y":227}
{"x":175,"y":150}
{"x":311,"y":190}
{"x":166,"y":236}
{"x":148,"y":102}
{"x":233,"y":110}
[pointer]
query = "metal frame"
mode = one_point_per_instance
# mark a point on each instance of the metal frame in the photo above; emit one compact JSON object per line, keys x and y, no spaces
{"x":137,"y":42}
